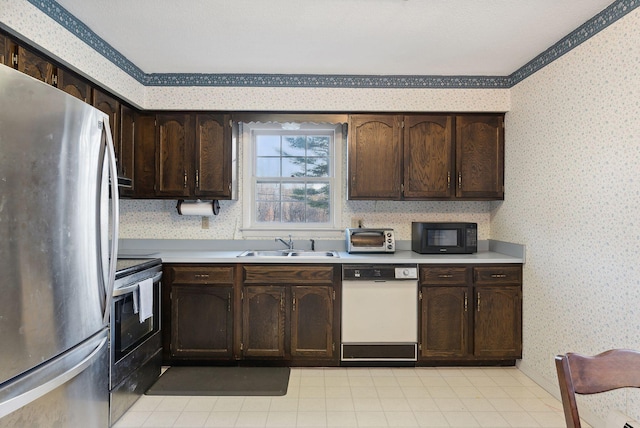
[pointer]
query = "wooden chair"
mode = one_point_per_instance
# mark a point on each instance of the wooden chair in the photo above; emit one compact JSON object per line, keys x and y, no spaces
{"x":581,"y":374}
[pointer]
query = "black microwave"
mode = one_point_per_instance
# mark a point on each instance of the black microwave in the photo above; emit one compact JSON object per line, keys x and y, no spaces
{"x":444,"y":238}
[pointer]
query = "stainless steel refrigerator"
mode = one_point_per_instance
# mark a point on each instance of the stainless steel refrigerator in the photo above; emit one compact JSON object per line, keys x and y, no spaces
{"x":57,"y":261}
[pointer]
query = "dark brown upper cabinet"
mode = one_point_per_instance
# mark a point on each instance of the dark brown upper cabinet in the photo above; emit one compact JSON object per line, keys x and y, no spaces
{"x":74,"y":85}
{"x":375,"y":157}
{"x":144,"y":155}
{"x":4,"y":46}
{"x":426,"y":157}
{"x":212,"y":156}
{"x":126,"y":155}
{"x":173,"y":152}
{"x":30,"y":63}
{"x":111,"y":106}
{"x":480,"y":156}
{"x":193,"y":156}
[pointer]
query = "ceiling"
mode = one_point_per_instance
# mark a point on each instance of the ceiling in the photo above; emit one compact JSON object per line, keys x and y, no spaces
{"x":333,"y":37}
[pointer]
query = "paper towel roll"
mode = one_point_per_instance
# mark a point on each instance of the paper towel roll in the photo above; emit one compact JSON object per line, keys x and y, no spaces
{"x":200,"y":208}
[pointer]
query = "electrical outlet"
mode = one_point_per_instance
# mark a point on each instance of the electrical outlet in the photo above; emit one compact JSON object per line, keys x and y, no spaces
{"x":205,"y":222}
{"x":356,"y":222}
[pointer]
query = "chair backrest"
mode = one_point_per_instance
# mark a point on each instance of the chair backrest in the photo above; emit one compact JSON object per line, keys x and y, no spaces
{"x":581,"y":374}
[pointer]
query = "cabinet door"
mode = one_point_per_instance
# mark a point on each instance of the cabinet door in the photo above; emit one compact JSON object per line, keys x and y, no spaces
{"x":312,"y":321}
{"x":428,"y":157}
{"x":4,"y":47}
{"x":201,"y":321}
{"x":498,"y":321}
{"x":375,"y":157}
{"x":445,"y":322}
{"x":173,"y":150}
{"x":212,"y":156}
{"x":27,"y":62}
{"x":480,"y":157}
{"x":127,"y":137}
{"x":109,"y":105}
{"x":74,"y":85}
{"x":263,"y":309}
{"x":144,"y":155}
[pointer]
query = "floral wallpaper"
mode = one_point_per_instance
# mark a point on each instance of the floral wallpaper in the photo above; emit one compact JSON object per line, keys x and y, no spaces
{"x":573,"y":186}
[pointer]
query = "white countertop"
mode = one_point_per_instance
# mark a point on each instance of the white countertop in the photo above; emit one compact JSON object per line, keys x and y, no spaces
{"x":403,"y":256}
{"x":210,"y":251}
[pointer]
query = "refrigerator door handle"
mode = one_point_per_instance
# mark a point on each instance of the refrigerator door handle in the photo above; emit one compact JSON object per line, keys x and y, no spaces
{"x":113,"y":258}
{"x":15,"y":403}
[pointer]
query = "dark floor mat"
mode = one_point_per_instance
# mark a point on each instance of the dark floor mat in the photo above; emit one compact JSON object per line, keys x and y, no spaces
{"x":222,"y":381}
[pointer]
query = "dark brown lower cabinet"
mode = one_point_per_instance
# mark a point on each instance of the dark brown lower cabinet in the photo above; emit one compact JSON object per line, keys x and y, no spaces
{"x":263,"y":332}
{"x":498,"y":321}
{"x":280,"y":313}
{"x":288,"y":313}
{"x":445,"y":322}
{"x":470,"y":313}
{"x":312,"y":321}
{"x":201,"y":321}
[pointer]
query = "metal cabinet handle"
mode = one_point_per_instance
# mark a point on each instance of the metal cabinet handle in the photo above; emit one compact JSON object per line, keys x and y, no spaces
{"x":478,"y":302}
{"x":197,"y":179}
{"x":294,"y":305}
{"x":498,"y":275}
{"x":201,"y":275}
{"x":185,"y":178}
{"x":445,"y":276}
{"x":228,"y":302}
{"x":448,"y":179}
{"x":466,"y":301}
{"x":460,"y":180}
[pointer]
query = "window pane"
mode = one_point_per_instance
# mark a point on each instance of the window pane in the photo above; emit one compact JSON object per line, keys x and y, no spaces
{"x":294,"y":145}
{"x":267,"y":145}
{"x":317,"y":167}
{"x":268,"y":211}
{"x":268,"y":167}
{"x":293,"y":212}
{"x":318,"y":145}
{"x":293,"y":192}
{"x":293,"y":167}
{"x":267,"y":191}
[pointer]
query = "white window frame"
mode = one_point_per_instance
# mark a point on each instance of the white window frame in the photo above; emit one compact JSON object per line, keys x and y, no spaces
{"x":257,"y":229}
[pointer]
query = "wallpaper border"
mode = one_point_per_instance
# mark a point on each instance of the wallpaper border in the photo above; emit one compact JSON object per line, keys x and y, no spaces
{"x":608,"y":16}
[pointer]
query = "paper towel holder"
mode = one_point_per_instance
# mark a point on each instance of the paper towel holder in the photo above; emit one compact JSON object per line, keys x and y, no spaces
{"x":215,"y":205}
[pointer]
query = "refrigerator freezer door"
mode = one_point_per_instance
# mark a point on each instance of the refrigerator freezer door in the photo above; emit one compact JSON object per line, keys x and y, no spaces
{"x":68,"y":391}
{"x":51,"y":162}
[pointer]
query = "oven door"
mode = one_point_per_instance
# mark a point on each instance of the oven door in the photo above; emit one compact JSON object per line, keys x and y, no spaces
{"x":128,"y":332}
{"x":131,"y":340}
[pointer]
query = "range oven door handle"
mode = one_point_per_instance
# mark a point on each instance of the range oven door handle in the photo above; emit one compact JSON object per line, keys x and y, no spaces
{"x":133,"y":287}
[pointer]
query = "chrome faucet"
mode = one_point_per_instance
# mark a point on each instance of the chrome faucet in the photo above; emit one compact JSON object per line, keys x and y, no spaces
{"x":288,"y":244}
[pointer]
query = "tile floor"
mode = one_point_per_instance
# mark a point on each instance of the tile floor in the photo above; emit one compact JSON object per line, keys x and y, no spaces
{"x":368,"y":397}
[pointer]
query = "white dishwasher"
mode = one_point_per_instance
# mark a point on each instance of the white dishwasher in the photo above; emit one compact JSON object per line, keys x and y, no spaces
{"x":379,"y":313}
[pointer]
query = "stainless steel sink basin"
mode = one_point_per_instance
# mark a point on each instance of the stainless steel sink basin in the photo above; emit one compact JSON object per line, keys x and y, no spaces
{"x":314,"y":254}
{"x":288,"y":253}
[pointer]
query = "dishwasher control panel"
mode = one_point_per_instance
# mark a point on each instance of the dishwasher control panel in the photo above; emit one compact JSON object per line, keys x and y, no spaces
{"x":379,"y":272}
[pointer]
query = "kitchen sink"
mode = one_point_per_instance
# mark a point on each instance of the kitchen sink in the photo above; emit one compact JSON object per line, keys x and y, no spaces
{"x":314,"y":254}
{"x":288,"y":253}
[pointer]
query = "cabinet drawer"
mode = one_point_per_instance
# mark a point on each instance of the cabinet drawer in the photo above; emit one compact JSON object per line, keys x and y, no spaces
{"x":287,"y":274}
{"x":202,"y":274}
{"x":444,"y":275}
{"x":497,"y":275}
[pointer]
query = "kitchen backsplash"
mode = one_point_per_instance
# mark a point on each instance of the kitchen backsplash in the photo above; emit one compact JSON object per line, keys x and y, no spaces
{"x":156,"y":219}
